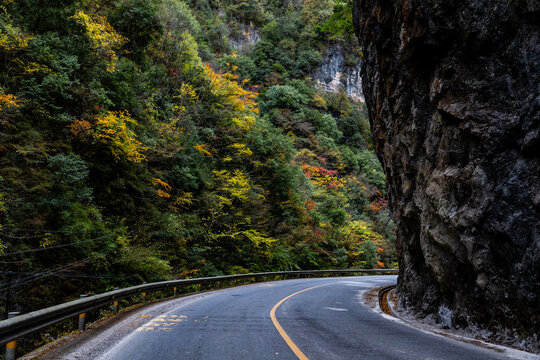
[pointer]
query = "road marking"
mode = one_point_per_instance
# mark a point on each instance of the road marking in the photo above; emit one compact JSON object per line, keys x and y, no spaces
{"x":161,"y":322}
{"x":282,"y":332}
{"x":336,"y":309}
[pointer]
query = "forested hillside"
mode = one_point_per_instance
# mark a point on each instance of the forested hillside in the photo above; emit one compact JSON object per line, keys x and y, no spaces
{"x":143,"y":140}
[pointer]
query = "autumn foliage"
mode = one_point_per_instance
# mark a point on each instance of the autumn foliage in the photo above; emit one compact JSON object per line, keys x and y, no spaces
{"x":134,"y":131}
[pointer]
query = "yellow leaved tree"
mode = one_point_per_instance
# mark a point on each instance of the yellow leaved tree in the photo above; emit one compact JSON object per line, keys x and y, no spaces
{"x":244,"y":123}
{"x":112,"y":129}
{"x":7,"y":101}
{"x":230,"y":92}
{"x":13,"y":38}
{"x":103,"y":37}
{"x":232,"y":186}
{"x":162,"y":188}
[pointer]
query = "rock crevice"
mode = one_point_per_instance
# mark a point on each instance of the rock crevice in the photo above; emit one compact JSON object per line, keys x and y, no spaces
{"x":453,"y":94}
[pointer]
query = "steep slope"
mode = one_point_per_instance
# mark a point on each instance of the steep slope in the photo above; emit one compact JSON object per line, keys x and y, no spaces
{"x":453,"y":93}
{"x":143,"y":140}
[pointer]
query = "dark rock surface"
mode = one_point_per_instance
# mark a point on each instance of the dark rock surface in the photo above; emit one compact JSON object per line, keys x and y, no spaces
{"x":453,"y":92}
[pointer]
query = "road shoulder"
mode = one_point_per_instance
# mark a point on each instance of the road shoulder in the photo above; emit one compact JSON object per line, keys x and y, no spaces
{"x":370,"y":299}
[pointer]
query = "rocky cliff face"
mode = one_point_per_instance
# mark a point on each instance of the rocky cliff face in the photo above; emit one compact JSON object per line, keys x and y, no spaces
{"x":245,"y":41}
{"x":334,"y":74}
{"x":453,"y":92}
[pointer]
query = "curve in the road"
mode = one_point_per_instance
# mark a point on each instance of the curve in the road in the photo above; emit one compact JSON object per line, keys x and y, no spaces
{"x":324,"y":317}
{"x":279,"y":328}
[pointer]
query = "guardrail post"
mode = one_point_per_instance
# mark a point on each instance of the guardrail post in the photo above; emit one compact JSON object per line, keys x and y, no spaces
{"x":115,"y":304}
{"x":143,"y":294}
{"x":82,"y":317}
{"x":174,"y":291}
{"x":11,"y":347}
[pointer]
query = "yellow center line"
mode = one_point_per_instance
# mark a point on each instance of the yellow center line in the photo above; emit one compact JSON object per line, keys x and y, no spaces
{"x":282,"y":332}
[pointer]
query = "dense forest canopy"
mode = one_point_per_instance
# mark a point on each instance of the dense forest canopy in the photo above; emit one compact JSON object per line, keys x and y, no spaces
{"x":140,"y":142}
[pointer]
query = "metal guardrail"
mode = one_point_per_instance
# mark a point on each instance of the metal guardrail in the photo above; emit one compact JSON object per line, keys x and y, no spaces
{"x":22,"y":325}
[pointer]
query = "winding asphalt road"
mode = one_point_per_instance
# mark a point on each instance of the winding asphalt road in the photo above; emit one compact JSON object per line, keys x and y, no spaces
{"x":295,"y":319}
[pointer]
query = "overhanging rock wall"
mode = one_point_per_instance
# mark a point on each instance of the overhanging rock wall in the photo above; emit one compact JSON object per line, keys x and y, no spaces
{"x":453,"y":92}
